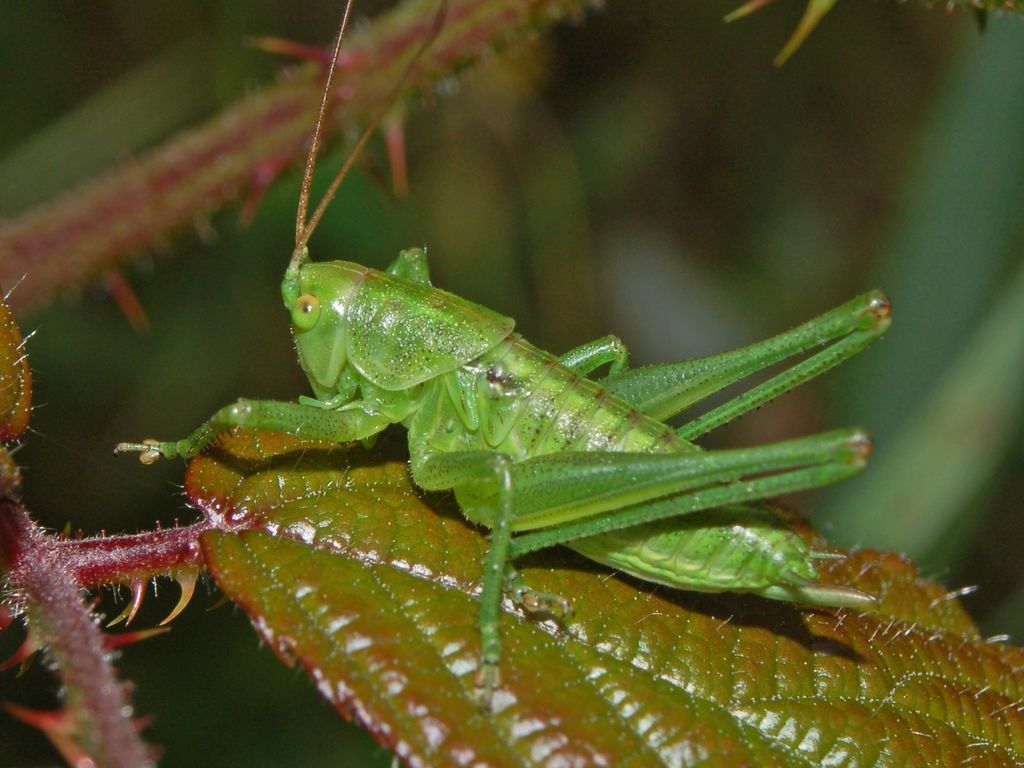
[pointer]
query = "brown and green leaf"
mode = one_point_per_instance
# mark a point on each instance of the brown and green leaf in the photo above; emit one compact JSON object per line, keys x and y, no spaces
{"x":346,"y":568}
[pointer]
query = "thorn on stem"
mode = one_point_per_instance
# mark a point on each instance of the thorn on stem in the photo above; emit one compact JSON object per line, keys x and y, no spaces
{"x":113,"y":642}
{"x":20,"y":656}
{"x":815,"y":11}
{"x":59,"y":727}
{"x":138,"y":588}
{"x":204,"y":228}
{"x":746,"y":9}
{"x":127,"y":301}
{"x":262,"y":177}
{"x":291,"y":48}
{"x":187,"y":582}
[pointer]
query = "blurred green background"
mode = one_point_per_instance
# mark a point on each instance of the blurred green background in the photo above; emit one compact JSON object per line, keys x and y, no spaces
{"x":647,"y":173}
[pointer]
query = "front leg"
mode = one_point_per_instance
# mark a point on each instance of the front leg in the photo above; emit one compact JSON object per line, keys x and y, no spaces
{"x":291,"y":418}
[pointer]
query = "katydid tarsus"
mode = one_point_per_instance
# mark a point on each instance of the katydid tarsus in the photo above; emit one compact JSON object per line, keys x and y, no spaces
{"x":539,"y":452}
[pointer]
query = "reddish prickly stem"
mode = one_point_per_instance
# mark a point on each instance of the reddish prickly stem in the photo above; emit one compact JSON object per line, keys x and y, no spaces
{"x":72,"y":240}
{"x":96,"y":700}
{"x":119,"y":559}
{"x":262,"y":177}
{"x":394,"y":134}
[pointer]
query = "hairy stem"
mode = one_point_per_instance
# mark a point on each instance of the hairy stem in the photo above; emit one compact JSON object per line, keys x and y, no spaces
{"x":72,"y":240}
{"x":52,"y":602}
{"x":102,"y":560}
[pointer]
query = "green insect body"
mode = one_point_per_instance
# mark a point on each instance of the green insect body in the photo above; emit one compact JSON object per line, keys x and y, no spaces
{"x":461,"y":381}
{"x":540,"y":453}
{"x":533,"y":447}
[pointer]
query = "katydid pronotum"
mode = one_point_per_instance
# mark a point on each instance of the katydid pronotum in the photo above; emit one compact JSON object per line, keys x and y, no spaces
{"x":541,"y":453}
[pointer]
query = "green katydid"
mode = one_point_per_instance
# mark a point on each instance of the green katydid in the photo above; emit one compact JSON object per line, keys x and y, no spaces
{"x":541,"y":453}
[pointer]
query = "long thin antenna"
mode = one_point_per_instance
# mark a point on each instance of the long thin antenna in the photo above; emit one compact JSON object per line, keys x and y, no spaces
{"x":302,"y":237}
{"x":314,"y":146}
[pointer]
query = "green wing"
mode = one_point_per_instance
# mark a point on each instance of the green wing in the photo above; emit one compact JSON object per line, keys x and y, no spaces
{"x":401,"y":334}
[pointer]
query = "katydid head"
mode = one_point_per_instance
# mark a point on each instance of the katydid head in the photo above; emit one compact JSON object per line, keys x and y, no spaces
{"x":318,"y":295}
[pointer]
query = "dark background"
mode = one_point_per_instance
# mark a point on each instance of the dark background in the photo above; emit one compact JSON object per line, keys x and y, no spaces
{"x":647,"y":173}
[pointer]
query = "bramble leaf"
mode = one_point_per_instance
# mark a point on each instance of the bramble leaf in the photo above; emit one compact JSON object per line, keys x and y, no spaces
{"x":369,"y":584}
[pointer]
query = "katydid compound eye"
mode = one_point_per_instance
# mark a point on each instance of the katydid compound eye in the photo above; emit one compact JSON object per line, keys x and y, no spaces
{"x":305,"y":312}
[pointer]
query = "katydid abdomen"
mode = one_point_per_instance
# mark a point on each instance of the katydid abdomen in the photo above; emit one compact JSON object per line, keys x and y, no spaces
{"x":526,"y":404}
